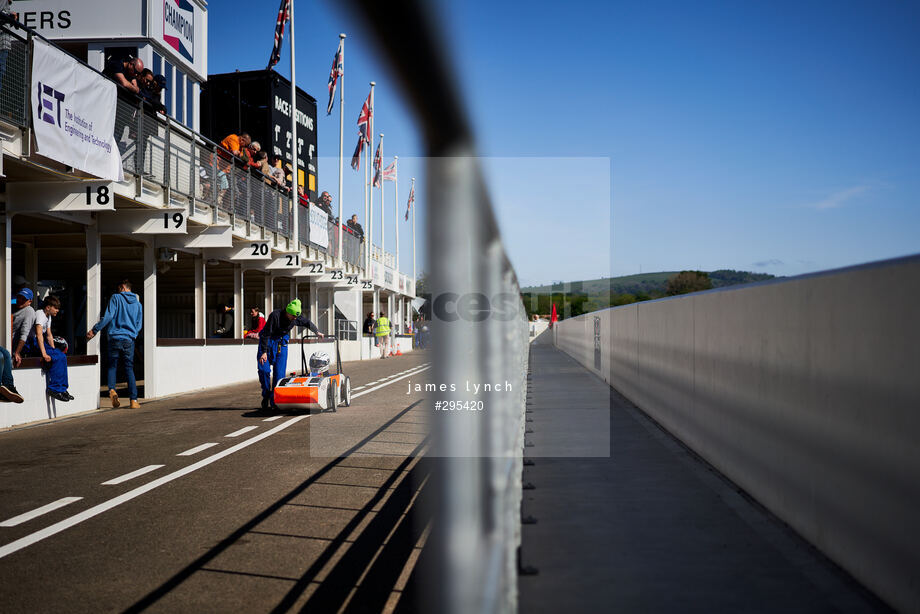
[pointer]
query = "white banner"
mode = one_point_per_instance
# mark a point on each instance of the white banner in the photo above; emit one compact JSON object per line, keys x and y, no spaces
{"x":73,"y":113}
{"x":319,"y":227}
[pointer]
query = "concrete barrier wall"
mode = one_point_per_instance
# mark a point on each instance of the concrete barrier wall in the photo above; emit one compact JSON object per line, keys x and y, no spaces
{"x":37,"y":405}
{"x":805,"y":392}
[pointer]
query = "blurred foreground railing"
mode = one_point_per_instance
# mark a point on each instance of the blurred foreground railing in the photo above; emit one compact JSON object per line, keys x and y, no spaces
{"x":475,"y":490}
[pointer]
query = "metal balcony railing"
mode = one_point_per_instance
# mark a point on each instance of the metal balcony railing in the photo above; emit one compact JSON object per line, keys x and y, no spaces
{"x":164,"y":152}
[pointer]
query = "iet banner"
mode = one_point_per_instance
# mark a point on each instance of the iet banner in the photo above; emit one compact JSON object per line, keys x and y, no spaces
{"x":73,"y":113}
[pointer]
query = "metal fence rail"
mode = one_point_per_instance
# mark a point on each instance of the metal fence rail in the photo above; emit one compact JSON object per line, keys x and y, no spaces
{"x":476,"y":497}
{"x":15,"y":75}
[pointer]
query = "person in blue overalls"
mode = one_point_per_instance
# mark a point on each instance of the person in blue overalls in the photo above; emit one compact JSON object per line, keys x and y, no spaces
{"x":273,"y":346}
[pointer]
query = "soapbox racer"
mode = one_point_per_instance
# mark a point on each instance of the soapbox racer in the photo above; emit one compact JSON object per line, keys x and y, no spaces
{"x":315,"y":387}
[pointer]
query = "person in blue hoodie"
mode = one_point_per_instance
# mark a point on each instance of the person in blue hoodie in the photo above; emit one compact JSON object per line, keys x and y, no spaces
{"x":122,"y":320}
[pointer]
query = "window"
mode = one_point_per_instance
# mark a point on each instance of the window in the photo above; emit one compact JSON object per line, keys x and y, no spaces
{"x":190,"y":105}
{"x":157,"y":64}
{"x":168,"y":73}
{"x":180,"y":100}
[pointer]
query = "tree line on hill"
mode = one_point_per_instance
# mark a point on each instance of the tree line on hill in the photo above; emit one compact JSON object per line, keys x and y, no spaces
{"x":578,"y":298}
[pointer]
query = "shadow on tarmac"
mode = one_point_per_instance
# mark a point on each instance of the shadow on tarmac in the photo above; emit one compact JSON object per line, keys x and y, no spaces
{"x":400,"y":522}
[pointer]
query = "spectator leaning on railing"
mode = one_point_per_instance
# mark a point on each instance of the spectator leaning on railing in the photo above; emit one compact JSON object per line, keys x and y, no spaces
{"x":125,"y":71}
{"x":355,"y":226}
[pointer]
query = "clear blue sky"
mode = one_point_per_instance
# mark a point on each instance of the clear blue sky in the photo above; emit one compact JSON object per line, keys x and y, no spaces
{"x":782,"y":137}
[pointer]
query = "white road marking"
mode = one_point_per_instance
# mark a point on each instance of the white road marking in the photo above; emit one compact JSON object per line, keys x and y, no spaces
{"x":197,"y":449}
{"x":132,"y":475}
{"x":76,"y":519}
{"x":12,"y":522}
{"x":392,"y":381}
{"x":273,"y":418}
{"x":243,"y":430}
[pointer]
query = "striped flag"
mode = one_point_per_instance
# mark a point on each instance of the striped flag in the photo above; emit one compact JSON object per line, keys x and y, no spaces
{"x":356,"y":157}
{"x":283,"y":15}
{"x":389,"y":173}
{"x":338,"y":69}
{"x":411,"y":200}
{"x":378,"y":162}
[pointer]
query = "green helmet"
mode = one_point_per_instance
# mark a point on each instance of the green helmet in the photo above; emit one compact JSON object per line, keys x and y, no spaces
{"x":294,"y":307}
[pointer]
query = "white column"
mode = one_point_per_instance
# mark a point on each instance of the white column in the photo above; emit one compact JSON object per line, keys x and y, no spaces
{"x":150,"y":322}
{"x":93,"y":286}
{"x":6,"y":277}
{"x":314,"y":303}
{"x":268,"y":294}
{"x":200,"y":298}
{"x":330,"y":319}
{"x":239,"y":309}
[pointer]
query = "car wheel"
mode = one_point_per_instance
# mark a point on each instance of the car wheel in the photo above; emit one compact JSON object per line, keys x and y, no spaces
{"x":346,"y":394}
{"x":333,"y":395}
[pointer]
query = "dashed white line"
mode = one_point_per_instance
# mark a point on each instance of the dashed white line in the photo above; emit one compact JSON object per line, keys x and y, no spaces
{"x":132,"y":475}
{"x":15,"y":520}
{"x":273,"y":418}
{"x":243,"y":430}
{"x":32,"y":538}
{"x":197,"y":449}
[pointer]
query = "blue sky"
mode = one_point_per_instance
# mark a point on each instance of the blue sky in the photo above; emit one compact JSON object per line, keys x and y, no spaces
{"x":779,"y":137}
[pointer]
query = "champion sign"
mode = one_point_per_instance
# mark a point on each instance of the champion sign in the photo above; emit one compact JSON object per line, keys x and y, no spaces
{"x":179,"y":27}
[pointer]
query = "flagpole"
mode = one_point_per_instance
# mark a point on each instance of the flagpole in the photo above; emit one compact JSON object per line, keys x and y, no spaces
{"x":367,"y":225}
{"x":396,"y":207}
{"x":370,"y":172}
{"x":341,"y":141}
{"x":296,"y":207}
{"x":383,"y":239}
{"x":413,"y":234}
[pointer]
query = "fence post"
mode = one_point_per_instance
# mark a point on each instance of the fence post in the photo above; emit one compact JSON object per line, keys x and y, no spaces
{"x":139,"y":148}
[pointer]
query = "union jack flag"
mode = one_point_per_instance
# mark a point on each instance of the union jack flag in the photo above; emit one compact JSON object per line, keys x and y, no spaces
{"x":356,"y":157}
{"x":338,"y":69}
{"x":378,"y":162}
{"x":283,"y":15}
{"x":389,"y":173}
{"x":411,"y":200}
{"x":364,"y":118}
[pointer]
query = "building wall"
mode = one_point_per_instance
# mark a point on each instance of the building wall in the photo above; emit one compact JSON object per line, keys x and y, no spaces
{"x":803,"y":392}
{"x":84,"y":385}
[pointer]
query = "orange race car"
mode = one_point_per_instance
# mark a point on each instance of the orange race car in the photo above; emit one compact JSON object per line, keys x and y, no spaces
{"x":315,"y":387}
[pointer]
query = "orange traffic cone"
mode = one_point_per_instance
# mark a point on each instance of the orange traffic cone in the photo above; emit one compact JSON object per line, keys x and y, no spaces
{"x":398,"y":350}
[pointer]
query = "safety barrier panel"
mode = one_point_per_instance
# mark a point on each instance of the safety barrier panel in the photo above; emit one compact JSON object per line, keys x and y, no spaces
{"x":802,"y":391}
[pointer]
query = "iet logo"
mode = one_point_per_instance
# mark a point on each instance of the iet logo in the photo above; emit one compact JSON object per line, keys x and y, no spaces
{"x":47,"y":109}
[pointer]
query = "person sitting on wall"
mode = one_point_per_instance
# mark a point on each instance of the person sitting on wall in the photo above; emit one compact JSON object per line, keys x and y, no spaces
{"x":23,"y":323}
{"x":124,"y":72}
{"x":355,"y":227}
{"x":224,"y":323}
{"x":42,"y":343}
{"x":8,"y":390}
{"x":273,"y":346}
{"x":257,"y":323}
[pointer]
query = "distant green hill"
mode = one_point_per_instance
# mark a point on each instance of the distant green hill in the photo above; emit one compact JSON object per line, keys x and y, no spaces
{"x":643,"y":283}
